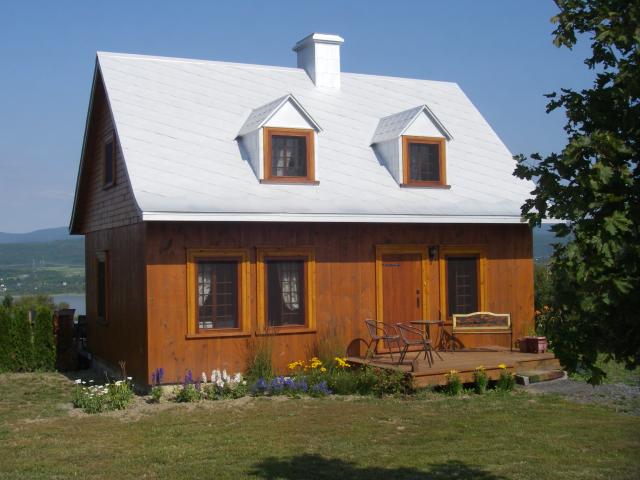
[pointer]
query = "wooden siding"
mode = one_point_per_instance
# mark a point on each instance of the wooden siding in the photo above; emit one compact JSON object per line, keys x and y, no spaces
{"x":345,"y":284}
{"x":99,"y":208}
{"x":123,"y":335}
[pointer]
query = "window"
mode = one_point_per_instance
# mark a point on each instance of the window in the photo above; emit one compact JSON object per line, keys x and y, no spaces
{"x":289,"y":155}
{"x":286,"y":289}
{"x":109,"y":162}
{"x":102,"y":289}
{"x":217,"y":294}
{"x":424,"y":161}
{"x":217,"y":283}
{"x":462,"y":287}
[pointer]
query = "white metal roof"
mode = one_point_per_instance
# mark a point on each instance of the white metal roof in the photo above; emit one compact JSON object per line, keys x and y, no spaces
{"x":395,"y":125}
{"x":177,"y":122}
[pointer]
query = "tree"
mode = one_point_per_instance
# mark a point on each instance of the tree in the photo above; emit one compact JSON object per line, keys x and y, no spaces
{"x":592,"y":186}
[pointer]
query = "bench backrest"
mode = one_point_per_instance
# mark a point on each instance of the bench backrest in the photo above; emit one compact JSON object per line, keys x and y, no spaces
{"x":482,"y":321}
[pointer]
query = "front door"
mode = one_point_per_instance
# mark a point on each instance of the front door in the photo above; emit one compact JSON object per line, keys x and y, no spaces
{"x":402,"y":294}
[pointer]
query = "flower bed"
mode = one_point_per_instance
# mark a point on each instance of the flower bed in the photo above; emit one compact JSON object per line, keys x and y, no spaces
{"x":94,"y":398}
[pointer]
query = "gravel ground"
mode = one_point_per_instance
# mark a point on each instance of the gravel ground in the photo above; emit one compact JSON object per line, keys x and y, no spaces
{"x":620,"y":397}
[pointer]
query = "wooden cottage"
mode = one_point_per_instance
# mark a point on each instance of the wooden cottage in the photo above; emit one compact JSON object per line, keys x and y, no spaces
{"x":221,"y":202}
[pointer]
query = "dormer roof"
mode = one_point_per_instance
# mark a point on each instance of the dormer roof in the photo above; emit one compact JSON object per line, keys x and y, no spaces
{"x":393,"y":126}
{"x":261,"y":115}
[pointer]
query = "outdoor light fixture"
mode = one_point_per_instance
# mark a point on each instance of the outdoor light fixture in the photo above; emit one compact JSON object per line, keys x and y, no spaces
{"x":433,"y":252}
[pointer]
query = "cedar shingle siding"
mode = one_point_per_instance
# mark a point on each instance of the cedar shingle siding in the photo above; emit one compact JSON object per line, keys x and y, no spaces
{"x":100,"y":208}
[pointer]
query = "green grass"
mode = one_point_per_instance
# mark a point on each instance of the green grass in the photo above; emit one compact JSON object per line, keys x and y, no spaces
{"x":616,"y":373}
{"x":429,"y":436}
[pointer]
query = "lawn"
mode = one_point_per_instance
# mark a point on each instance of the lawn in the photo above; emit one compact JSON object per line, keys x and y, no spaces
{"x":428,"y":436}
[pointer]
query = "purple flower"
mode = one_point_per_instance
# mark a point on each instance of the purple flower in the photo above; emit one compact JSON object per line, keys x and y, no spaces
{"x":188,"y":378}
{"x":259,"y":387}
{"x":320,"y":388}
{"x":156,"y":376}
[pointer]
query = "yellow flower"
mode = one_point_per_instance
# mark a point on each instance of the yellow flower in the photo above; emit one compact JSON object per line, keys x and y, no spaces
{"x":502,"y":366}
{"x":296,"y":364}
{"x":342,"y":362}
{"x":480,"y":368}
{"x":453,"y":372}
{"x":323,"y":369}
{"x":315,"y":363}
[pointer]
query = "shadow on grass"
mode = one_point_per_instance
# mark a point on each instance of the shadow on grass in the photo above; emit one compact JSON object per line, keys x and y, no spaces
{"x":316,"y":467}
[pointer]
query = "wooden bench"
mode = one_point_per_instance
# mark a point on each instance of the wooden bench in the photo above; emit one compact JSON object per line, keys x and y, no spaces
{"x":482,"y":323}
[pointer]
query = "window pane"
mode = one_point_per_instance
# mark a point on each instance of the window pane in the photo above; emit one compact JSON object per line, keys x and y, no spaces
{"x":102,"y":289}
{"x":108,"y":163}
{"x":217,"y":294}
{"x":424,"y":164}
{"x":285,"y":292}
{"x":462,"y":284}
{"x":288,"y":156}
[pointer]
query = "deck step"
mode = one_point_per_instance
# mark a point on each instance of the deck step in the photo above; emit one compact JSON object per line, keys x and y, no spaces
{"x":537,"y":376}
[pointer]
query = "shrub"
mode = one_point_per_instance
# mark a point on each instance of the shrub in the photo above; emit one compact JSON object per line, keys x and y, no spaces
{"x":506,"y":381}
{"x":454,"y":384}
{"x":389,"y":382}
{"x":481,"y":380}
{"x":24,"y":345}
{"x":44,"y":349}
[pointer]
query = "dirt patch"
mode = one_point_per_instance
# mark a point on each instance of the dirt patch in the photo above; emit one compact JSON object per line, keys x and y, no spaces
{"x":620,"y":397}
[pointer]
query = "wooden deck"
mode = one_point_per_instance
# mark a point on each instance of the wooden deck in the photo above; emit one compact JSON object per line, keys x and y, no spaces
{"x":464,"y":362}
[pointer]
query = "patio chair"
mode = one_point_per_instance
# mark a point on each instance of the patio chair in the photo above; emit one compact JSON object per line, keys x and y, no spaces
{"x":384,"y":332}
{"x":411,"y":336}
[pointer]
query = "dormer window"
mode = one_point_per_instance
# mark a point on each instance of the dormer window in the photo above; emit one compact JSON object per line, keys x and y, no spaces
{"x":279,"y":141}
{"x":288,"y":155}
{"x":413,"y":146}
{"x":424,"y":161}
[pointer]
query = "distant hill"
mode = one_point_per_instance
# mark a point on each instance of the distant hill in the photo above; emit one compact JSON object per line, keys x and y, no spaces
{"x":543,"y":240}
{"x":37,"y":236}
{"x":46,"y":261}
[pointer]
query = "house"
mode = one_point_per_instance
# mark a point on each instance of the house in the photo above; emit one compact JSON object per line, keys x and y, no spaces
{"x":224,"y":202}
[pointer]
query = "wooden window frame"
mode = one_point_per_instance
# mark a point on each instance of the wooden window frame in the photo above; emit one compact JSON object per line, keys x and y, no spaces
{"x":222,"y":254}
{"x":111,"y":138}
{"x":406,"y":162}
{"x":309,"y":134}
{"x":296,"y":253}
{"x":103,"y":257}
{"x":462,"y":251}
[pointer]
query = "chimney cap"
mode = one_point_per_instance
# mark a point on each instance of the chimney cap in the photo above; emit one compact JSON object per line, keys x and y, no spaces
{"x":318,"y":38}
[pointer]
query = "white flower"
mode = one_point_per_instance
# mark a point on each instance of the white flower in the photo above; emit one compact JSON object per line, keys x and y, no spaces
{"x":215,"y":375}
{"x":90,"y":381}
{"x":203,"y":377}
{"x":237,"y":377}
{"x":129,"y":378}
{"x":225,"y":377}
{"x":244,"y":382}
{"x":220,"y":382}
{"x":78,"y":381}
{"x":119,"y":382}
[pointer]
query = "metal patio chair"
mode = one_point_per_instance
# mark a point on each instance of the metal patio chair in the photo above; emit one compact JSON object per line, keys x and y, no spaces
{"x":411,"y":336}
{"x":384,"y":332}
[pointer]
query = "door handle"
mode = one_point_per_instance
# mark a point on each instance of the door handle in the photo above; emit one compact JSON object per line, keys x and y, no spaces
{"x":418,"y":298}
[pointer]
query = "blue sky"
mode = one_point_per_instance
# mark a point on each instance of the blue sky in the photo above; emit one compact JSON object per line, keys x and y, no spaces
{"x":499,"y":52}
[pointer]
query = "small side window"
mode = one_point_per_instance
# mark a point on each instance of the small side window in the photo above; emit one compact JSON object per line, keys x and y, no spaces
{"x":102,"y":287}
{"x":109,"y":163}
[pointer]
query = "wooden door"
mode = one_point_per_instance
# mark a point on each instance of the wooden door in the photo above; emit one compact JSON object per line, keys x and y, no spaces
{"x":402,"y":294}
